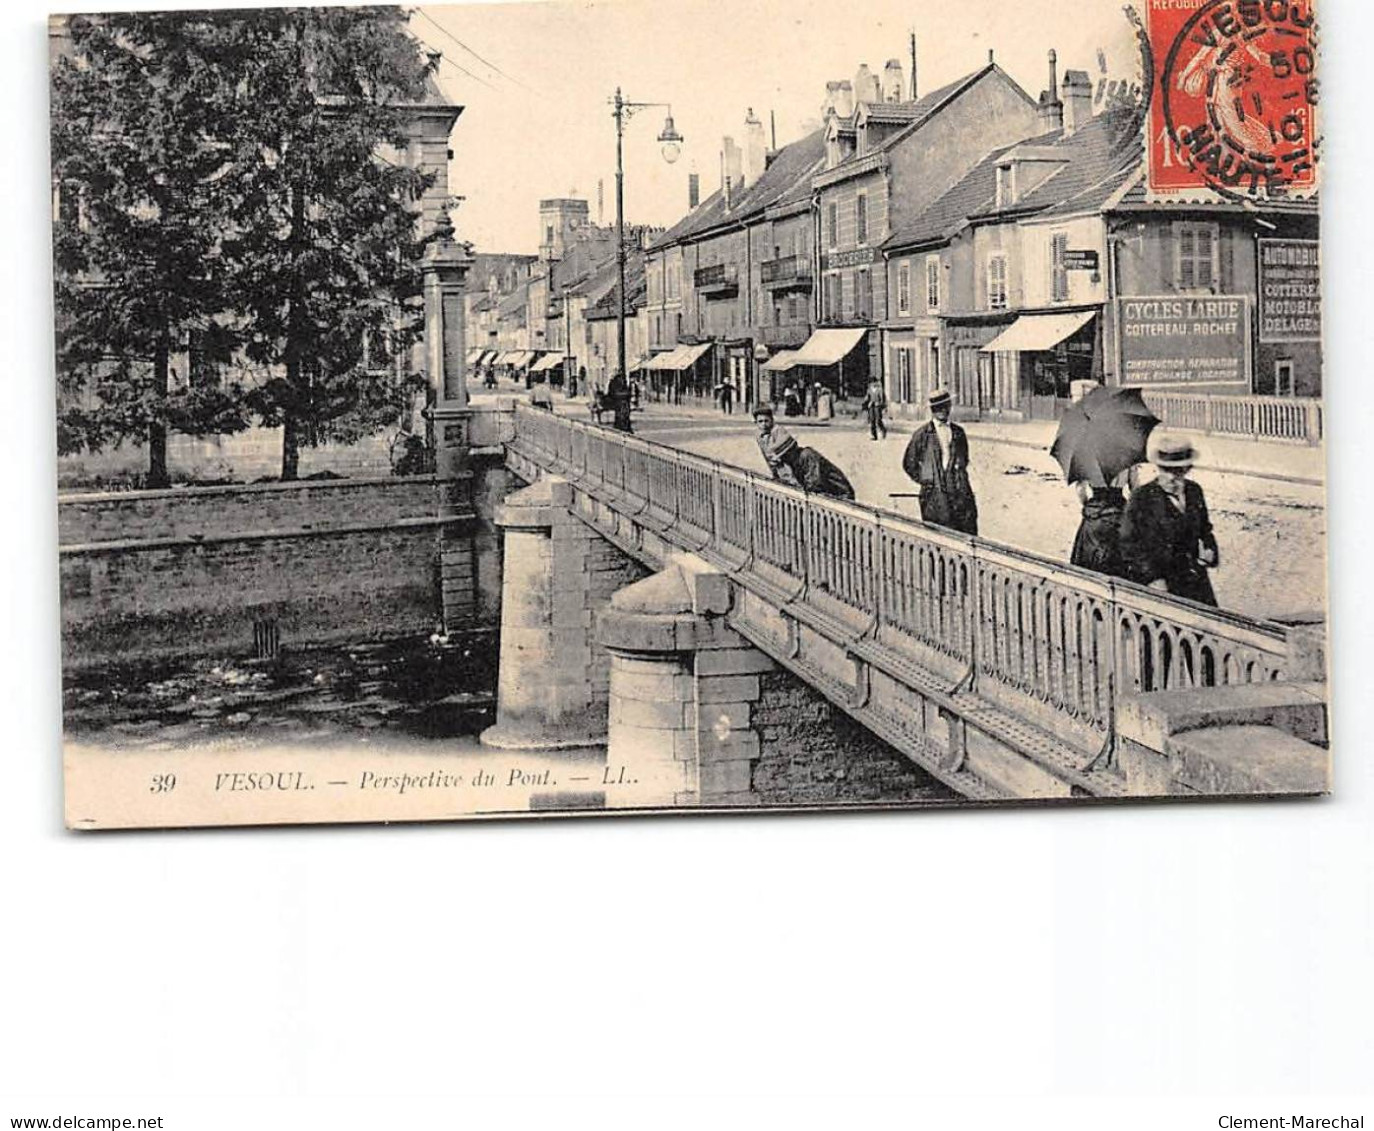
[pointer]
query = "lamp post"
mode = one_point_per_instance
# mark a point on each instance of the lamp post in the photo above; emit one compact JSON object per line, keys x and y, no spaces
{"x":671,"y":140}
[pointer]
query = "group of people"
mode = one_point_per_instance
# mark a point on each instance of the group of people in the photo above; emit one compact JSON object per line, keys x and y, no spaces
{"x":1158,"y":534}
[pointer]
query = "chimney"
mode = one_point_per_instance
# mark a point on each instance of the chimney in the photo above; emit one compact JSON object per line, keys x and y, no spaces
{"x":844,"y":99}
{"x":1051,"y":111}
{"x":832,"y":100}
{"x":893,"y":84}
{"x":755,"y":149}
{"x":731,"y":168}
{"x":991,"y":59}
{"x":865,"y":85}
{"x":1078,"y":101}
{"x":693,"y":190}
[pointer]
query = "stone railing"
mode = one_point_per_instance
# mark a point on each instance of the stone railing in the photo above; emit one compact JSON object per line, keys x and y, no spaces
{"x":1036,"y":638}
{"x":1260,"y":418}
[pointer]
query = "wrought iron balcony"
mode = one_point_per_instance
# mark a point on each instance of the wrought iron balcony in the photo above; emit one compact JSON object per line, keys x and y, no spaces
{"x":718,"y":279}
{"x":790,"y":273}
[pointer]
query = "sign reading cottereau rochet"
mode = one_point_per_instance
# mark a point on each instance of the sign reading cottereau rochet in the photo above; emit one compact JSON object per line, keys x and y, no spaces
{"x":1184,"y":340}
{"x":1290,"y":291}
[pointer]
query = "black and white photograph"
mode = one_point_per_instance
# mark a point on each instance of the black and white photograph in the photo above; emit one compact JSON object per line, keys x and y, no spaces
{"x":934,"y":423}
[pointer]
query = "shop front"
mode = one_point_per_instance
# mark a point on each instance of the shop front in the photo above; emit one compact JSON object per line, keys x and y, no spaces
{"x":1032,"y":364}
{"x":836,"y":360}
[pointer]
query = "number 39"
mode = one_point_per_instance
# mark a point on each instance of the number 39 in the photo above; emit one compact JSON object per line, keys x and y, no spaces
{"x":163,"y":783}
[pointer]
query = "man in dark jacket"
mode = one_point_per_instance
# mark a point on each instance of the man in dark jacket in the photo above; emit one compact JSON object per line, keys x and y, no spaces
{"x":617,"y":399}
{"x":937,"y":459}
{"x":1166,"y":533}
{"x":797,"y":466}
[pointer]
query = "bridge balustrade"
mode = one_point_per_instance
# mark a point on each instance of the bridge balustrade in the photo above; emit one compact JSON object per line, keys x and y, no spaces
{"x":1067,"y":638}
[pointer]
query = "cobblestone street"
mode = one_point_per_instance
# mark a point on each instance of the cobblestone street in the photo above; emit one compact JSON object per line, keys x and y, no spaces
{"x":1272,"y":532}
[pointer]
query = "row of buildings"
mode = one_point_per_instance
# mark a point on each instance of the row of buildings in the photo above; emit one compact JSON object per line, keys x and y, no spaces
{"x":972,"y":238}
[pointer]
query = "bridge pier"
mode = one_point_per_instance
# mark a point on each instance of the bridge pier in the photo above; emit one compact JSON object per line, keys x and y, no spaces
{"x":557,"y":574}
{"x":684,"y":688}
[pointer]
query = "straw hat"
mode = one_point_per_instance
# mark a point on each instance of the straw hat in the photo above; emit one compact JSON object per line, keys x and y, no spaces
{"x":939,"y":398}
{"x":1168,"y":450}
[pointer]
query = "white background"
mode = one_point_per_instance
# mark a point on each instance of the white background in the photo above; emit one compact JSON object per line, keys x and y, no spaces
{"x":1143,"y":966}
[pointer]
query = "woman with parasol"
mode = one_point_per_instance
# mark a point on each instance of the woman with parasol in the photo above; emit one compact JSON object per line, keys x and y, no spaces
{"x":1101,"y":441}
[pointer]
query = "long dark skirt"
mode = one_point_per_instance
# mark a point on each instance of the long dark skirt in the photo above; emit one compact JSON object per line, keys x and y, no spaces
{"x":1097,"y":545}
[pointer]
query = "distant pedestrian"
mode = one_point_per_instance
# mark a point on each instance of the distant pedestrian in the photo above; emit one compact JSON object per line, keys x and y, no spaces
{"x":812,"y":395}
{"x":791,"y":400}
{"x":727,"y":398}
{"x":937,"y":459}
{"x":875,"y":403}
{"x":540,"y":397}
{"x":1166,"y":533}
{"x":617,"y":399}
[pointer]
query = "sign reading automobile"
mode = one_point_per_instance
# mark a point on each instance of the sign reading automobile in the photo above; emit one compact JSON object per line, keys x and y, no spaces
{"x":1290,"y":291}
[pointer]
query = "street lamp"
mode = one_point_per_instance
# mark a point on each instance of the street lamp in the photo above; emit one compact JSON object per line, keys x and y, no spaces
{"x":671,"y":141}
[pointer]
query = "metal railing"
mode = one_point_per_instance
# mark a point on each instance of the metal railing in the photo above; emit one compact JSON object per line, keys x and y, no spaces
{"x":1029,"y":631}
{"x":787,"y":269}
{"x":1297,"y":419}
{"x":716,"y":277}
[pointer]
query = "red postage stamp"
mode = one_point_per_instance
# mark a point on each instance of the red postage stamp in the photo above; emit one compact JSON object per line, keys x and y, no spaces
{"x":1234,"y":105}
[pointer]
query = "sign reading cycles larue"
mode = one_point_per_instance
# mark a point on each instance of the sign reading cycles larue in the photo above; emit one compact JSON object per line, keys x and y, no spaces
{"x":1173,"y":340}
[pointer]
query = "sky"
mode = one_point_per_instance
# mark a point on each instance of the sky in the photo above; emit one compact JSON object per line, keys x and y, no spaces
{"x":535,"y":80}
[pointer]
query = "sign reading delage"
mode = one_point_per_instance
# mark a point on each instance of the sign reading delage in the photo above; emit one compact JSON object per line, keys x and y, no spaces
{"x":1290,"y":291}
{"x":1176,"y":340}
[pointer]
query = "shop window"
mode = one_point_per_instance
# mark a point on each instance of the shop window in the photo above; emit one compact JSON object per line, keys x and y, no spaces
{"x":904,"y":288}
{"x":997,"y":282}
{"x":1059,"y":271}
{"x":933,"y":282}
{"x":861,"y":218}
{"x":1195,"y":257}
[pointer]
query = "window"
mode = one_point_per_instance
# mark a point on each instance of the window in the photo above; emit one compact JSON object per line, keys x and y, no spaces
{"x":548,"y":234}
{"x":904,"y":288}
{"x":861,"y":218}
{"x":904,"y":367}
{"x":1059,"y":271}
{"x":863,"y":294}
{"x":1283,"y":377}
{"x":997,"y":282}
{"x":932,"y":282}
{"x":1196,"y":256}
{"x":833,"y":220}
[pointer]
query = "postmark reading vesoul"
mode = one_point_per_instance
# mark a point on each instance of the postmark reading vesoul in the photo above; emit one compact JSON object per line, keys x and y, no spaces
{"x":1236,"y":105}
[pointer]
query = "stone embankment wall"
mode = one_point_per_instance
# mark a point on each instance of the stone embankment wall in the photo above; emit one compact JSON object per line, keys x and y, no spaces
{"x":148,"y":575}
{"x":811,"y":752}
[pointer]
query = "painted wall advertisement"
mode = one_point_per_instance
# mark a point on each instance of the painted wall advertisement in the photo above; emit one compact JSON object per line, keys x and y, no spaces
{"x":1290,"y":291}
{"x":1174,"y":340}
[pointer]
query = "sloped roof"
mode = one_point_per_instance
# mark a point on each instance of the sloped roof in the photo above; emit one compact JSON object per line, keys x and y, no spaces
{"x":922,"y":110}
{"x":1098,"y":160}
{"x":792,"y":166}
{"x":1137,"y":199}
{"x":486,"y":264}
{"x":636,"y":289}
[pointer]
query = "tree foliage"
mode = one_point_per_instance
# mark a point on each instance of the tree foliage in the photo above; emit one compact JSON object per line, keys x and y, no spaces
{"x":236,"y":196}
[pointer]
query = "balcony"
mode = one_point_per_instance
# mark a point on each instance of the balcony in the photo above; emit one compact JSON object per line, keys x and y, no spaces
{"x":720,"y":280}
{"x":790,"y":273}
{"x":784,"y":337}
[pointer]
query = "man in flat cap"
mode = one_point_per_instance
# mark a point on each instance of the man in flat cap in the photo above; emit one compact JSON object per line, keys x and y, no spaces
{"x":937,"y":460}
{"x":1166,"y":533}
{"x":796,"y":465}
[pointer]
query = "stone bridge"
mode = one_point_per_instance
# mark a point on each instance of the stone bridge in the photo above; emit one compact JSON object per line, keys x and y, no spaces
{"x":651,"y":595}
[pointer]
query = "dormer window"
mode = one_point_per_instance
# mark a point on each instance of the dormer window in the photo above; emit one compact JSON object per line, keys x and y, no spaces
{"x":1006,"y":186}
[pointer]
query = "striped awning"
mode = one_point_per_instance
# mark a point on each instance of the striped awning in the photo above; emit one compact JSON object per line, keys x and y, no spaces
{"x":547,"y":362}
{"x":684,"y":357}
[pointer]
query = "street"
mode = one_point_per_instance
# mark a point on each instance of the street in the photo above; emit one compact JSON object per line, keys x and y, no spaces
{"x":1272,"y":533}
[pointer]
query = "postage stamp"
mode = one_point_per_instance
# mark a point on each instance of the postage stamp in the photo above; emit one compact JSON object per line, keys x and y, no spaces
{"x":1235,"y":104}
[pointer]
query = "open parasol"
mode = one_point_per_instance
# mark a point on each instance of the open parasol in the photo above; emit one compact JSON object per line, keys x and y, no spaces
{"x":1103,"y":434}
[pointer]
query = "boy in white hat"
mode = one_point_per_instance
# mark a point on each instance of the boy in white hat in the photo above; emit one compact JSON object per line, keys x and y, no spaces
{"x":1166,"y":533}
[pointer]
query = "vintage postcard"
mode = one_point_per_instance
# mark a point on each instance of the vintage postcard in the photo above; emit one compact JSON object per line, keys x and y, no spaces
{"x":483,"y":411}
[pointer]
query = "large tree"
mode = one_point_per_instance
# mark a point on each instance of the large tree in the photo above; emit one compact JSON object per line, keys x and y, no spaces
{"x":137,"y":167}
{"x":242,"y":201}
{"x":326,"y":265}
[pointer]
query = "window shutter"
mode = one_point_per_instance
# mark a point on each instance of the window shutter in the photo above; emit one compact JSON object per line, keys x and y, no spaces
{"x":1226,"y":259}
{"x":1187,"y":276}
{"x":1206,"y":243}
{"x":861,"y":218}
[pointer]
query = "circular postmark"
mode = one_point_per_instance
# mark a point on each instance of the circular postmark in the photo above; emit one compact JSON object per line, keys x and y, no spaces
{"x":1240,"y":93}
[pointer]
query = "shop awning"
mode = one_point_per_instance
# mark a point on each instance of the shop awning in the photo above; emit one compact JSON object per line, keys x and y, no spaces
{"x":1033,"y":332}
{"x":485,"y":357}
{"x":473,"y":355}
{"x":642,"y":363}
{"x":779,"y":361}
{"x":503,"y":357}
{"x":827,"y":347}
{"x":684,"y":357}
{"x":520,"y":358}
{"x":547,"y":362}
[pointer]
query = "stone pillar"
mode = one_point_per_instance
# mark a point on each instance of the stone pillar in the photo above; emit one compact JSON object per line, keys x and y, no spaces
{"x":683,"y":688}
{"x":548,"y":695}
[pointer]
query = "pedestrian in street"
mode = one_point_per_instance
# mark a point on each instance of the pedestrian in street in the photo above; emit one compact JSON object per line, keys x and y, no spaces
{"x":874,"y":403}
{"x":541,"y":397}
{"x":1097,"y":545}
{"x":812,"y":394}
{"x":1166,"y":533}
{"x":617,"y":399}
{"x":727,"y":398}
{"x":937,"y":460}
{"x":791,"y":400}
